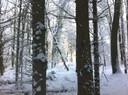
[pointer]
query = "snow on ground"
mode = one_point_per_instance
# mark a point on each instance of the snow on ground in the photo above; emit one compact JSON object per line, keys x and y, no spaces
{"x":65,"y":81}
{"x":62,"y":82}
{"x":115,"y":84}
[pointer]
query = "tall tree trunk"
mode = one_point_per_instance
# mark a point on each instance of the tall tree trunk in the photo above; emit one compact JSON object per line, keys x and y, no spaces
{"x":1,"y":52}
{"x":18,"y":47}
{"x":120,"y":46}
{"x":1,"y":45}
{"x":114,"y":33}
{"x":22,"y":44}
{"x":13,"y":41}
{"x":127,"y":23}
{"x":83,"y":53}
{"x":13,"y":54}
{"x":96,"y":50}
{"x":39,"y":57}
{"x":123,"y":38}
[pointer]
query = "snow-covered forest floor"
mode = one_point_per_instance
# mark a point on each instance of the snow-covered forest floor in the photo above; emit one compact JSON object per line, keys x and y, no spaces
{"x":62,"y":82}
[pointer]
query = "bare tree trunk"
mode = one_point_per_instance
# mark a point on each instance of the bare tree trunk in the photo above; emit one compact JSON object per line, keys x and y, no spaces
{"x":123,"y":38}
{"x":122,"y":45}
{"x":39,"y":55}
{"x":22,"y":43}
{"x":96,"y":49}
{"x":14,"y":40}
{"x":1,"y":45}
{"x":18,"y":46}
{"x":1,"y":52}
{"x":83,"y":52}
{"x":114,"y":33}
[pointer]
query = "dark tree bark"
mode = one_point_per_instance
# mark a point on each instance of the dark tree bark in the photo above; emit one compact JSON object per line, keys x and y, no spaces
{"x":114,"y":33}
{"x":83,"y":52}
{"x":1,"y":52}
{"x":39,"y":57}
{"x":1,"y":45}
{"x":96,"y":50}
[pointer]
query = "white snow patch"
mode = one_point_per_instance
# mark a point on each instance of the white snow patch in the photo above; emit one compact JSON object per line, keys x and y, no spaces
{"x":38,"y":89}
{"x":39,"y":25}
{"x":38,"y":32}
{"x":40,"y":56}
{"x":111,"y":84}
